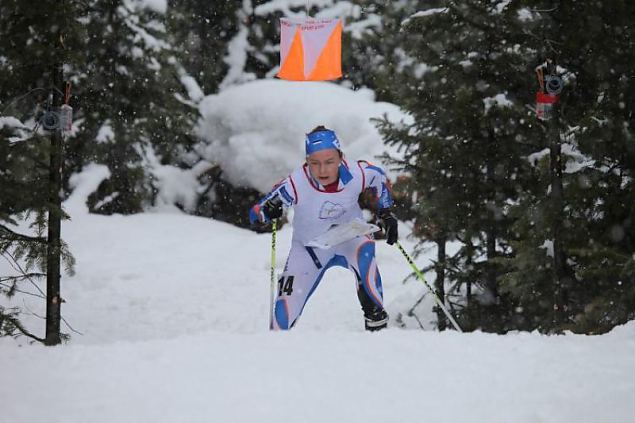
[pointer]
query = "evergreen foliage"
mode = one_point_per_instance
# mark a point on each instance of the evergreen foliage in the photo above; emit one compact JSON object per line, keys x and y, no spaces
{"x":370,"y":58}
{"x":541,"y":211}
{"x":596,"y":287}
{"x":131,"y":103}
{"x":203,"y":32}
{"x":487,"y":174}
{"x":29,"y":36}
{"x":466,"y":144}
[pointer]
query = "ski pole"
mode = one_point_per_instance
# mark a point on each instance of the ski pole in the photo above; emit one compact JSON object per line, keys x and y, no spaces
{"x":423,"y":279}
{"x":273,"y":271}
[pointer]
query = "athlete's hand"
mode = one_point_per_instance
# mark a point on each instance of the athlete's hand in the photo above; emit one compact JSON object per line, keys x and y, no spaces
{"x":390,"y":225}
{"x":273,"y":208}
{"x":265,"y":212}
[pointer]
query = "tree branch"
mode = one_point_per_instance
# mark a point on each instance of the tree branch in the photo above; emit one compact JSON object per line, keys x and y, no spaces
{"x":19,"y":268}
{"x":12,"y":288}
{"x":21,"y":237}
{"x":16,"y":324}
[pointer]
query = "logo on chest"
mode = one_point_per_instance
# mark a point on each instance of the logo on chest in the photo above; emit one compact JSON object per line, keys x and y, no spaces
{"x":330,"y":210}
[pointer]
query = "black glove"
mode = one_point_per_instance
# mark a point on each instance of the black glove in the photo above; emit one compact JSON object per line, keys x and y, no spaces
{"x":390,"y":225}
{"x":265,"y":212}
{"x":273,"y":208}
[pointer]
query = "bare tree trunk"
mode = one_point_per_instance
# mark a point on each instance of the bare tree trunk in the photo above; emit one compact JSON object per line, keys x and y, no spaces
{"x":490,"y":277}
{"x":53,"y":273}
{"x":53,"y":297}
{"x":557,"y":199}
{"x":439,"y":283}
{"x":491,"y":233}
{"x":469,"y":263}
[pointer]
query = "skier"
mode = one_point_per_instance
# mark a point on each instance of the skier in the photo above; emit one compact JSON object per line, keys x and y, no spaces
{"x":324,"y":192}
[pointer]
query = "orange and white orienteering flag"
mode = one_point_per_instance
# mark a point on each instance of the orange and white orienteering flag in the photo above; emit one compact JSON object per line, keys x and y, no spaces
{"x":310,"y":49}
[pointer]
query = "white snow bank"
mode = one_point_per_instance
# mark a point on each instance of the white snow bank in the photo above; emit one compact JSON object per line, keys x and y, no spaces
{"x":159,"y":276}
{"x":326,"y":376}
{"x":256,"y":131}
{"x":174,"y":185}
{"x":174,"y":311}
{"x":83,"y":184}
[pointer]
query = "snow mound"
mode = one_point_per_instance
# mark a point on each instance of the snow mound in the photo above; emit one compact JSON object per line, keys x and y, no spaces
{"x":256,"y":131}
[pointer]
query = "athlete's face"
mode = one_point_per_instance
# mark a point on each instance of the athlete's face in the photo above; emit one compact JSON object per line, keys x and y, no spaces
{"x":324,"y":165}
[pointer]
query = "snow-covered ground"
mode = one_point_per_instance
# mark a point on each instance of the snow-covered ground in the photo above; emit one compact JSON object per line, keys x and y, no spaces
{"x":174,"y":315}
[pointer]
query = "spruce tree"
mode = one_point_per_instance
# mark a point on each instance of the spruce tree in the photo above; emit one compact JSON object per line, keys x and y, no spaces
{"x":374,"y":47}
{"x":464,"y":152}
{"x":131,"y":103}
{"x":595,"y":289}
{"x":541,"y":208}
{"x":203,"y":31}
{"x":33,"y":44}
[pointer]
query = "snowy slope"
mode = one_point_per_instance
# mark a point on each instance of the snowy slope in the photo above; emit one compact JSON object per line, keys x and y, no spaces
{"x":317,"y":376}
{"x":160,"y":276}
{"x":174,"y":314}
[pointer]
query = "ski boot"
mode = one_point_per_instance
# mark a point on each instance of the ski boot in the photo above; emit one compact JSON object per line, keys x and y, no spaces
{"x":376,"y":320}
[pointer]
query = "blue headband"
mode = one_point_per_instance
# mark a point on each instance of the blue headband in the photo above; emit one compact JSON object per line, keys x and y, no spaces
{"x":321,"y":140}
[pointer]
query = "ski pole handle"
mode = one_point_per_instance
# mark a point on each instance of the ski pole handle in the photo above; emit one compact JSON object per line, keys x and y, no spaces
{"x":423,"y":279}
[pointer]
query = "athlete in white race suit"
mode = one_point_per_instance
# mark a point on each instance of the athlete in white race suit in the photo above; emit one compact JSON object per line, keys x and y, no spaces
{"x":325,"y":192}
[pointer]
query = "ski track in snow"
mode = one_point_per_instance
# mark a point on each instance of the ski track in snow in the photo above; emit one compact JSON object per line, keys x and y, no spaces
{"x":174,"y":315}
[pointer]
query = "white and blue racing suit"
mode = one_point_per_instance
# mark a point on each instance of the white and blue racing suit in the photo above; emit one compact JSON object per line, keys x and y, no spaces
{"x":315,"y":211}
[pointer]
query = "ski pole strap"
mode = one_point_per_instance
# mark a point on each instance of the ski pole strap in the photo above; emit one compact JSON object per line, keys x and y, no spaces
{"x":273,"y":271}
{"x":423,"y":279}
